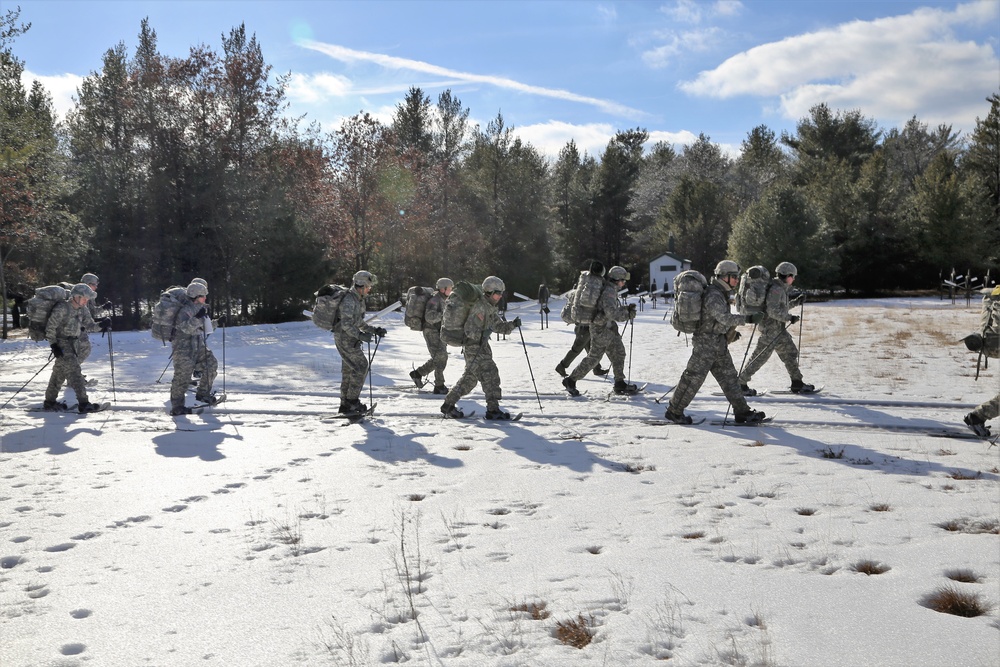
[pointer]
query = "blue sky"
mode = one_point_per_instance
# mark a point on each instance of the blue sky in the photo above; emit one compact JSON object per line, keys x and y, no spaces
{"x":580,"y":70}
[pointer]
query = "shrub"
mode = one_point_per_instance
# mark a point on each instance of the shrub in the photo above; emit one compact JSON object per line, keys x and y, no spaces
{"x":870,"y":567}
{"x":577,"y":632}
{"x":950,"y":600}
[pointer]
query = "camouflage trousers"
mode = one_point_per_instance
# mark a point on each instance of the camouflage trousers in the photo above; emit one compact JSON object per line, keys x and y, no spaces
{"x":581,"y":342}
{"x":603,"y":340}
{"x":479,"y":369}
{"x":990,"y":409}
{"x":439,"y":356}
{"x":353,"y":367}
{"x":773,"y":337}
{"x":185,"y":362}
{"x":84,"y":347}
{"x":66,"y":369}
{"x":709,"y":354}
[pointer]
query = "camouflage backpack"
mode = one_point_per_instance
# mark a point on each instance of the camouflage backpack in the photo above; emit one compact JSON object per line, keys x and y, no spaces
{"x":751,"y":295}
{"x":567,"y":310}
{"x":689,"y":290}
{"x":991,"y":323}
{"x":456,"y":311}
{"x":587,"y":294}
{"x":165,"y":313}
{"x":326,"y":312}
{"x":39,"y":307}
{"x":416,"y":304}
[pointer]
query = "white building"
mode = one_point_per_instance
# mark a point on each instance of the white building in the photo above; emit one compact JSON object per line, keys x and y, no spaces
{"x":663,"y":269}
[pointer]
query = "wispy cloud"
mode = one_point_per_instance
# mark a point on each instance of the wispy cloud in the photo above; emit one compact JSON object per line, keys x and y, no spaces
{"x":677,"y":44}
{"x":889,"y":67}
{"x":346,"y":55}
{"x":689,"y":11}
{"x":62,"y":87}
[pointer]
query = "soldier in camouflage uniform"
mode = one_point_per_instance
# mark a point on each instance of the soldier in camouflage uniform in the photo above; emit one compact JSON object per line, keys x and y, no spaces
{"x":92,"y":315}
{"x":990,"y":409}
{"x":190,"y":351}
{"x":773,"y":333}
{"x":482,"y":321}
{"x":62,"y":331}
{"x":349,"y":332}
{"x":710,"y":351}
{"x":604,"y":338}
{"x":433,"y":313}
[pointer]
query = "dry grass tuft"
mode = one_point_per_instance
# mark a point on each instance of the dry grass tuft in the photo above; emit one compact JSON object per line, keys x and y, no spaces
{"x":595,"y":549}
{"x":499,"y":511}
{"x":537,"y":610}
{"x":950,"y":600}
{"x":880,"y":507}
{"x":964,"y":576}
{"x":636,"y":468}
{"x":972,"y":527}
{"x":577,"y":632}
{"x":870,"y":567}
{"x":696,"y":535}
{"x":828,"y":453}
{"x":958,"y":474}
{"x":416,"y":497}
{"x":805,"y":511}
{"x":462,"y":448}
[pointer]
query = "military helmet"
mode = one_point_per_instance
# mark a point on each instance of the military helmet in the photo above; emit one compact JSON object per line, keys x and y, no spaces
{"x":364,"y":279}
{"x":194,"y":290}
{"x":90,"y":279}
{"x":444,"y":283}
{"x":200,"y":281}
{"x":727,"y":267}
{"x":493,"y":284}
{"x":618,"y":273}
{"x":83,"y":289}
{"x":786,"y":269}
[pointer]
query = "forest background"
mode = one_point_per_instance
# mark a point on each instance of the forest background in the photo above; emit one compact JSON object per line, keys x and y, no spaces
{"x":169,"y":168}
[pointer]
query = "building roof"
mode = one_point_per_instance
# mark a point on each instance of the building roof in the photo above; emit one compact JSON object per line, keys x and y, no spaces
{"x":671,"y":256}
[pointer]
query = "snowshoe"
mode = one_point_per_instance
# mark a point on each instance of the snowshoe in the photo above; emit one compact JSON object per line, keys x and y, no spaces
{"x":497,"y":414}
{"x":451,"y":412}
{"x":799,"y":387}
{"x":85,"y":408}
{"x":178,"y":410}
{"x":977,"y":425}
{"x":417,"y":380}
{"x":209,"y":399}
{"x":623,"y":388}
{"x":440,"y":389}
{"x":681,"y":418}
{"x":752,"y":417}
{"x":54,"y":406}
{"x":570,"y":385}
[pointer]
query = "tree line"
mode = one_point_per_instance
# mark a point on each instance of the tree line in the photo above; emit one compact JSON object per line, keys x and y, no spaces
{"x":169,"y":168}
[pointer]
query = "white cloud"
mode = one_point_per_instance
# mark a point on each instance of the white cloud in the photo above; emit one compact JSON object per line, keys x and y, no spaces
{"x":347,"y":55}
{"x":676,"y":44}
{"x":313,"y":88}
{"x":891,"y":68}
{"x":689,"y":11}
{"x":551,"y":137}
{"x":62,"y":87}
{"x":607,"y":12}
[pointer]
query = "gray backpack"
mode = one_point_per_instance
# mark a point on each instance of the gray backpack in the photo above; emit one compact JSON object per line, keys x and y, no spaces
{"x":326,"y":312}
{"x":587,"y":295}
{"x":689,"y":291}
{"x":165,"y":313}
{"x":751,"y":295}
{"x":416,"y":304}
{"x":39,"y":307}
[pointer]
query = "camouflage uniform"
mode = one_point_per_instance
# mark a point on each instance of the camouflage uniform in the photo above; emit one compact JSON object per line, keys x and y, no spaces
{"x":604,"y":338}
{"x":89,"y":317}
{"x":710,"y":353}
{"x":773,"y":335}
{"x":990,"y":327}
{"x":347,"y":334}
{"x":433,"y":313}
{"x":63,"y":329}
{"x":483,"y":319}
{"x":190,"y":351}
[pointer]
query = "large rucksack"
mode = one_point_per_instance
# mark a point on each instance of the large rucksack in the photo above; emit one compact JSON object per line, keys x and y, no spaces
{"x":416,"y":304}
{"x":165,"y":312}
{"x":751,"y":295}
{"x":689,"y":291}
{"x":567,"y":310}
{"x":991,"y":323}
{"x":39,"y":307}
{"x":588,"y":294}
{"x":456,"y":311}
{"x":326,"y":311}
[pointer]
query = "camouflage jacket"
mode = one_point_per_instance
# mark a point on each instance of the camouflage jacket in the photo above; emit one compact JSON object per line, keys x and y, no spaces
{"x":776,"y":302}
{"x":352,"y":316}
{"x":609,"y":310}
{"x":483,"y":319}
{"x":716,"y":316}
{"x":434,"y":311}
{"x":65,"y":321}
{"x":189,"y":331}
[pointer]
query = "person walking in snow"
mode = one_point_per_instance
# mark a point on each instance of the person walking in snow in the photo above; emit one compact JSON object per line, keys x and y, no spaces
{"x":349,"y":332}
{"x":604,"y":338}
{"x":190,"y":351}
{"x":94,"y":318}
{"x":483,"y":319}
{"x":710,"y":350}
{"x":773,"y":333}
{"x":433,"y":313}
{"x":62,"y":331}
{"x":987,"y":343}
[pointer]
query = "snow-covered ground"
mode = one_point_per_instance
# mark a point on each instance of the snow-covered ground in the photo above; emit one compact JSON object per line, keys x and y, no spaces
{"x":263,"y":534}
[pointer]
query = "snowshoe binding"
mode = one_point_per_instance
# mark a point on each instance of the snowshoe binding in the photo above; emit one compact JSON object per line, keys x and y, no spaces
{"x":977,"y":425}
{"x":54,"y":406}
{"x":676,"y":418}
{"x":570,"y":385}
{"x":450,"y":411}
{"x":498,"y":415}
{"x":747,"y":391}
{"x":623,"y":388}
{"x":752,"y":417}
{"x":799,"y":387}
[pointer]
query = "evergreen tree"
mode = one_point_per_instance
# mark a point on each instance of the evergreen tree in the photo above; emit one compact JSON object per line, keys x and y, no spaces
{"x":982,"y":165}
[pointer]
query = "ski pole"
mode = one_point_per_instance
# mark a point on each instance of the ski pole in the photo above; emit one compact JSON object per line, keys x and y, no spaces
{"x":530,"y":372}
{"x":28,"y":382}
{"x":798,"y":347}
{"x":111,"y":356}
{"x":749,"y":342}
{"x":224,"y":360}
{"x":371,"y":358}
{"x":631,"y":334}
{"x":165,"y":367}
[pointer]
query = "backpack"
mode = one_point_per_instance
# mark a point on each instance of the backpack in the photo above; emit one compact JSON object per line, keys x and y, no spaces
{"x":751,"y":294}
{"x":165,"y":313}
{"x":991,"y":324}
{"x":456,"y":311}
{"x":39,"y":307}
{"x":689,"y":290}
{"x":567,"y":310}
{"x":326,"y":312}
{"x":416,"y":304}
{"x":588,"y":293}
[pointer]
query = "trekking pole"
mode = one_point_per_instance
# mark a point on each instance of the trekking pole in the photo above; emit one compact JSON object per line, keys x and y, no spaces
{"x":165,"y":367}
{"x":798,"y":347}
{"x":749,"y":343}
{"x":223,"y":361}
{"x":111,"y":356}
{"x":524,"y":346}
{"x":371,"y":358}
{"x":631,"y":335}
{"x":28,"y":382}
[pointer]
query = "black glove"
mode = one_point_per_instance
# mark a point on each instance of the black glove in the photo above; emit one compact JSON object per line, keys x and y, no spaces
{"x":755,"y":318}
{"x":201,"y":313}
{"x":365,"y":336}
{"x":631,"y":311}
{"x":56,"y":350}
{"x":516,"y":322}
{"x":221,"y":321}
{"x":735,"y":336}
{"x":792,"y":319}
{"x":105,"y":325}
{"x":380,"y":332}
